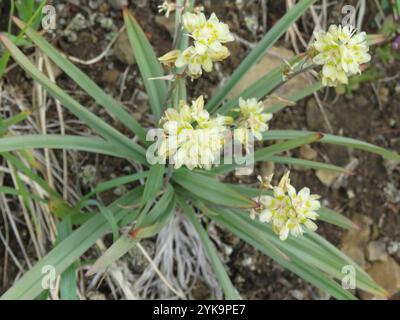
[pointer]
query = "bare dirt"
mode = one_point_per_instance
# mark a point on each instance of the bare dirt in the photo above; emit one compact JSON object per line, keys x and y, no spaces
{"x":373,"y":116}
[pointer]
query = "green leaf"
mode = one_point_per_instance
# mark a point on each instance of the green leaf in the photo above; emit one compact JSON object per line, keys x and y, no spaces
{"x":250,"y":231}
{"x":268,"y":84}
{"x":306,"y":164}
{"x":112,"y":254}
{"x":108,"y":215}
{"x":96,"y":123}
{"x":68,"y":277}
{"x":317,"y":255}
{"x":210,"y":189}
{"x":296,"y":97}
{"x":256,"y":54}
{"x":148,"y":65}
{"x":331,"y":139}
{"x":14,"y":192}
{"x":219,"y":269}
{"x":158,"y":214}
{"x":68,"y":251}
{"x":154,"y":182}
{"x":6,"y":56}
{"x":325,"y":214}
{"x":265,"y":153}
{"x":61,"y":142}
{"x":154,"y":222}
{"x":26,"y":10}
{"x":113,"y":106}
{"x":336,"y":219}
{"x":111,"y":184}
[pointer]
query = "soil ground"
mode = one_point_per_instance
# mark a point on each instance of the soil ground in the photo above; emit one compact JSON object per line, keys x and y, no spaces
{"x":370,"y":113}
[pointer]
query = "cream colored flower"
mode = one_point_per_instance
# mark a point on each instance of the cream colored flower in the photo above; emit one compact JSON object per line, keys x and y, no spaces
{"x":192,"y":138}
{"x":166,"y":7}
{"x":341,"y":51}
{"x":288,"y":211}
{"x":175,"y":120}
{"x":209,"y":37}
{"x":170,"y":58}
{"x":207,"y":34}
{"x":251,"y":119}
{"x":195,"y":62}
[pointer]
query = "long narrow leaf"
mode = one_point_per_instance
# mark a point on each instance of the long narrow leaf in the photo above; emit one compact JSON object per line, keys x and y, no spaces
{"x":148,"y":64}
{"x":267,"y":42}
{"x":331,"y":139}
{"x":325,"y":214}
{"x":244,"y":230}
{"x":68,"y":251}
{"x":148,"y":228}
{"x":61,"y":142}
{"x":210,"y":189}
{"x":68,"y":277}
{"x":264,"y":153}
{"x":219,"y":269}
{"x":306,"y":164}
{"x":154,"y":182}
{"x":113,"y":106}
{"x":81,"y":112}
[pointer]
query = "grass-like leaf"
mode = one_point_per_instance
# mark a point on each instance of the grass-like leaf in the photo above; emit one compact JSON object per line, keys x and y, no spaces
{"x":111,"y":184}
{"x":151,"y":225}
{"x":210,"y":189}
{"x":68,"y":280}
{"x":307,"y":164}
{"x":300,"y":262}
{"x":219,"y":269}
{"x":255,"y":55}
{"x":62,"y":142}
{"x":325,"y":214}
{"x":96,"y":123}
{"x":265,"y":153}
{"x":113,"y":106}
{"x":154,"y":182}
{"x":331,"y":139}
{"x":68,"y":251}
{"x":148,"y":64}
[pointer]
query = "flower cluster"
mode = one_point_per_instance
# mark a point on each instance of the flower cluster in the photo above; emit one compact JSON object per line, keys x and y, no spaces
{"x":208,"y":37}
{"x":191,"y":136}
{"x":166,"y":7}
{"x":251,"y":119}
{"x":341,"y":51}
{"x":287,"y":210}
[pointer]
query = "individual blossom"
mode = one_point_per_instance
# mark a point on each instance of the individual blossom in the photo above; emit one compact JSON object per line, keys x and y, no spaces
{"x":166,"y":7}
{"x":170,"y":58}
{"x":192,"y":138}
{"x":208,"y":34}
{"x":208,"y":37}
{"x":289,"y":211}
{"x":252,"y":118}
{"x":340,"y":51}
{"x":194,"y":62}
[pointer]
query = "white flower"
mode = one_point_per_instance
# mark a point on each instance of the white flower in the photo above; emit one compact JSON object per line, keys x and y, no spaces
{"x":341,"y":51}
{"x":196,"y":63}
{"x":252,"y":119}
{"x":170,"y":58}
{"x":289,"y":212}
{"x":192,"y":138}
{"x":167,"y":8}
{"x":209,"y":37}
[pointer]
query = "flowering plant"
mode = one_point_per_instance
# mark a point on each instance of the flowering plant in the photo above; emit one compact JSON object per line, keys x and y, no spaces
{"x":277,"y":220}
